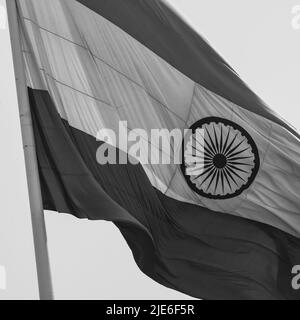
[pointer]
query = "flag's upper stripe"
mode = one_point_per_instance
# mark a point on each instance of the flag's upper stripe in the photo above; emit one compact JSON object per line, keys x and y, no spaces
{"x":155,"y":25}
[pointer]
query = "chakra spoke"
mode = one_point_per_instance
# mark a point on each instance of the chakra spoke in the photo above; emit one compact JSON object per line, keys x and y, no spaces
{"x":209,"y":150}
{"x":239,"y":152}
{"x":212,"y":178}
{"x":222,"y":180}
{"x":213,"y":145}
{"x":217,"y":180}
{"x":237,"y":168}
{"x":221,"y":140}
{"x":216,"y":140}
{"x":210,"y":173}
{"x":233,"y":149}
{"x":206,"y":154}
{"x":226,"y":141}
{"x":230,"y":145}
{"x":195,"y":170}
{"x":204,"y":172}
{"x":240,"y":163}
{"x":235,"y":173}
{"x":239,"y":158}
{"x":229,"y":174}
{"x":226,"y":177}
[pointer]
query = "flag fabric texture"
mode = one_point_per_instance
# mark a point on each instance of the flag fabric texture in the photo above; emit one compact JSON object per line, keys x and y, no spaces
{"x":230,"y":232}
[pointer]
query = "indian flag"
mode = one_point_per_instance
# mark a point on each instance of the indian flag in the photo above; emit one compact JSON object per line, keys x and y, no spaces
{"x":224,"y":223}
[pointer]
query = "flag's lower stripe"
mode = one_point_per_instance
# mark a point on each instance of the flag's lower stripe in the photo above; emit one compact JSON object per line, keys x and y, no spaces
{"x":203,"y":253}
{"x":155,"y":25}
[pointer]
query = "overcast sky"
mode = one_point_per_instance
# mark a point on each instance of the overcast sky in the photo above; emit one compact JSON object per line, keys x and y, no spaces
{"x":90,"y":260}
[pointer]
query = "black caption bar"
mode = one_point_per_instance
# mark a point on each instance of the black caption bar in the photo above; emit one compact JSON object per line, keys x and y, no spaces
{"x":132,"y":309}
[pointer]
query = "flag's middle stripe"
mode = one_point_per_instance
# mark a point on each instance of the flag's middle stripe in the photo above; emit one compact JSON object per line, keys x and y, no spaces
{"x":100,"y":75}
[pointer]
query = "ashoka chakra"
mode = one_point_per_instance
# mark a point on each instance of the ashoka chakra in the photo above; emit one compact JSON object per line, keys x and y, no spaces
{"x":220,"y":159}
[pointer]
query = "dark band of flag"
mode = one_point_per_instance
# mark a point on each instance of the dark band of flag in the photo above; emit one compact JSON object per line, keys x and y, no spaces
{"x":186,"y":247}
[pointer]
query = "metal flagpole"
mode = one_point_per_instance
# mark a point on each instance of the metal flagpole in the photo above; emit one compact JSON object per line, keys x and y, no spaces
{"x":35,"y":198}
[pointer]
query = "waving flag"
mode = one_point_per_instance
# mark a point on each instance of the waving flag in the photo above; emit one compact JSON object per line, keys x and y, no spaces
{"x":222,"y":224}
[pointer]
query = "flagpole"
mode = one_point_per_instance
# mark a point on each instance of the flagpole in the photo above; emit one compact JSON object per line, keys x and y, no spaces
{"x":34,"y":190}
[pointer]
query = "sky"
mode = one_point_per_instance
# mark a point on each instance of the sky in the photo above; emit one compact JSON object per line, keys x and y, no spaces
{"x":90,"y":260}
